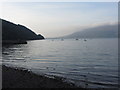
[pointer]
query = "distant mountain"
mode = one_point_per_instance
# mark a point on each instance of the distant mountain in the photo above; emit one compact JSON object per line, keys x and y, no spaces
{"x":11,"y":31}
{"x":106,"y":31}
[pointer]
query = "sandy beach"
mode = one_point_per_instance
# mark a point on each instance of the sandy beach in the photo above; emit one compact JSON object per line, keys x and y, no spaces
{"x":17,"y":78}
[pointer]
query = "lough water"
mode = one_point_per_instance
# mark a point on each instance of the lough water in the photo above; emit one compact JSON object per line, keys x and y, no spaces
{"x":92,"y":63}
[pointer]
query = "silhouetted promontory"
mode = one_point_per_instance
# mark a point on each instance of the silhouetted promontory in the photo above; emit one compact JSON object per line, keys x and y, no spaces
{"x":14,"y":32}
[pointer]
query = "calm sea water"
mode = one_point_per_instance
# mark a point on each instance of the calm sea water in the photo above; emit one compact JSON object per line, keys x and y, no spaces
{"x":94,"y":61}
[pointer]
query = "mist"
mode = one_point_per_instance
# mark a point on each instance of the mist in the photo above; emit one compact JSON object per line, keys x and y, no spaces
{"x":59,"y":19}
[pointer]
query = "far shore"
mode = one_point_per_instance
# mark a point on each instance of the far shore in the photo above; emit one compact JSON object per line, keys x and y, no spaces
{"x":14,"y":42}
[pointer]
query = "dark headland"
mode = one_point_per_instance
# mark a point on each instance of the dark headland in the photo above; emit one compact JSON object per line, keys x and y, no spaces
{"x":17,"y":34}
{"x":19,"y":78}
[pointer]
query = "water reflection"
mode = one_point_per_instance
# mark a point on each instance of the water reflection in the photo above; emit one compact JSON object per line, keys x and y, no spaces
{"x":95,"y":59}
{"x":14,"y":53}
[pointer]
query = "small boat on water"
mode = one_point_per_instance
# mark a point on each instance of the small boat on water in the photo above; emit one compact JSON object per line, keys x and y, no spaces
{"x":85,"y":40}
{"x":62,"y":39}
{"x":77,"y":39}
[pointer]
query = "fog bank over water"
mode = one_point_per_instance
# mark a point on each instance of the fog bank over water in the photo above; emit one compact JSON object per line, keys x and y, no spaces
{"x":104,"y":31}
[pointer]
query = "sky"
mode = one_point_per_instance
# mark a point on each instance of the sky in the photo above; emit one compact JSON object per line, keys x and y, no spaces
{"x":54,"y":19}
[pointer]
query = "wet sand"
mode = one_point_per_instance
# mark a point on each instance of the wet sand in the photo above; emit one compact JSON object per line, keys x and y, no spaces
{"x":17,"y":78}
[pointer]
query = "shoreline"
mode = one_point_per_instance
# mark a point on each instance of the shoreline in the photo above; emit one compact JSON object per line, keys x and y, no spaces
{"x":17,"y":78}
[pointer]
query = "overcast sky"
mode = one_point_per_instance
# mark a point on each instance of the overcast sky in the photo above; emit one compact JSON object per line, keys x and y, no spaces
{"x":53,"y":19}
